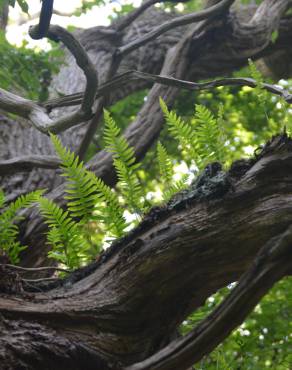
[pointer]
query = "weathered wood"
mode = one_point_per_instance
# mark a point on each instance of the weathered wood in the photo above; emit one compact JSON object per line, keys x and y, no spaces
{"x":181,"y":253}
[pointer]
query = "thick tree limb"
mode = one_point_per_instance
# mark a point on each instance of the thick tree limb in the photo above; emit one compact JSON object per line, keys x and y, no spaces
{"x":273,"y":262}
{"x":179,"y":255}
{"x":179,"y":21}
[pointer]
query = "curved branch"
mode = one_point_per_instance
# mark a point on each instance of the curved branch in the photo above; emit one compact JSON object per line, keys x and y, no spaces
{"x":120,"y":80}
{"x":179,"y":21}
{"x":37,"y":114}
{"x":41,"y":30}
{"x":27,"y":163}
{"x":273,"y":262}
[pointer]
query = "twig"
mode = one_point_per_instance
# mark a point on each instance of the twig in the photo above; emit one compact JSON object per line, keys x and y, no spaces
{"x":124,"y":78}
{"x":129,"y":18}
{"x":34,"y":269}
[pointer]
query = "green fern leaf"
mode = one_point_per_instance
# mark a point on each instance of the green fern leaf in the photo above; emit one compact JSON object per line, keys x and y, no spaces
{"x":124,"y":162}
{"x":65,"y":235}
{"x":180,"y":130}
{"x":8,"y":229}
{"x":87,"y":194}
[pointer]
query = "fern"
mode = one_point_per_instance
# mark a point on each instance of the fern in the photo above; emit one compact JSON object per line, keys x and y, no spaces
{"x":80,"y":186}
{"x":2,"y":198}
{"x":180,"y":130}
{"x":176,"y":187}
{"x":8,"y":229}
{"x":209,"y":136}
{"x":65,"y":235}
{"x":124,"y":162}
{"x":165,"y":165}
{"x":87,"y":194}
{"x":259,"y":92}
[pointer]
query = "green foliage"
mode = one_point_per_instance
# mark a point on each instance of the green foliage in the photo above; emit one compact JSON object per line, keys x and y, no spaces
{"x":87,"y":194}
{"x":22,"y":3}
{"x":202,"y":138}
{"x":261,"y":342}
{"x":27,"y":71}
{"x":8,"y":229}
{"x":171,"y":187}
{"x":124,"y":162}
{"x":261,"y":94}
{"x":65,"y":235}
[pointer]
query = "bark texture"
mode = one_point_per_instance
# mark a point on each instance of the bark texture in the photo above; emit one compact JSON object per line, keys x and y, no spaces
{"x":203,"y":239}
{"x":123,"y":311}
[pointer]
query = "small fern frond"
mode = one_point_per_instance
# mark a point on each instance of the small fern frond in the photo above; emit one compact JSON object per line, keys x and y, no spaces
{"x":80,"y":186}
{"x":65,"y":236}
{"x":112,"y":213}
{"x":209,"y":137}
{"x":176,"y":187}
{"x":180,"y":130}
{"x":8,"y":230}
{"x":2,"y":199}
{"x":259,"y":92}
{"x":86,"y":193}
{"x":124,"y":163}
{"x":164,"y":163}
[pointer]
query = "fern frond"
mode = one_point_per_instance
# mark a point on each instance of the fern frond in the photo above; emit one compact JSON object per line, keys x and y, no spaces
{"x":65,"y":235}
{"x":180,"y":130}
{"x":86,"y":193}
{"x":124,"y":162}
{"x":257,"y":76}
{"x":8,"y":230}
{"x":164,"y":163}
{"x":80,"y":186}
{"x":209,"y":137}
{"x":2,"y":198}
{"x":112,"y":213}
{"x":176,"y":187}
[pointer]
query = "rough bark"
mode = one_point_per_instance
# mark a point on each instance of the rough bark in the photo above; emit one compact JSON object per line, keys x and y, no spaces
{"x":203,"y":239}
{"x":218,"y":48}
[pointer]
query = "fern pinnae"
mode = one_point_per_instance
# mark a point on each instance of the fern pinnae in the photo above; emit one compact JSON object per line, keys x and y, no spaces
{"x":180,"y":130}
{"x":80,"y":185}
{"x":65,"y":236}
{"x":164,"y":163}
{"x":124,"y":163}
{"x":209,"y":141}
{"x":8,"y":230}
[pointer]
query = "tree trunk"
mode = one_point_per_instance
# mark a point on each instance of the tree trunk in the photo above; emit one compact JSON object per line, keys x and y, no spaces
{"x":125,"y":307}
{"x":218,"y":49}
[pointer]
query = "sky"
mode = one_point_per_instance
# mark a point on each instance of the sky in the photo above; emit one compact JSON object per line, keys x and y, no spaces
{"x":96,"y":17}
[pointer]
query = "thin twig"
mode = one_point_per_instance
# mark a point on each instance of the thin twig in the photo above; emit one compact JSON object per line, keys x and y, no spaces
{"x":34,"y":269}
{"x":120,"y":80}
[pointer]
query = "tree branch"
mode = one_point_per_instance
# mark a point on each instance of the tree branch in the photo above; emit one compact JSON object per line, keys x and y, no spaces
{"x":273,"y":262}
{"x":179,"y":21}
{"x":36,"y":114}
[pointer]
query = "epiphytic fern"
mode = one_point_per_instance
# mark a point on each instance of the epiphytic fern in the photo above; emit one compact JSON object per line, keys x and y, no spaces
{"x":88,"y":196}
{"x":166,"y":171}
{"x":65,"y":235}
{"x":124,"y":162}
{"x":8,"y":229}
